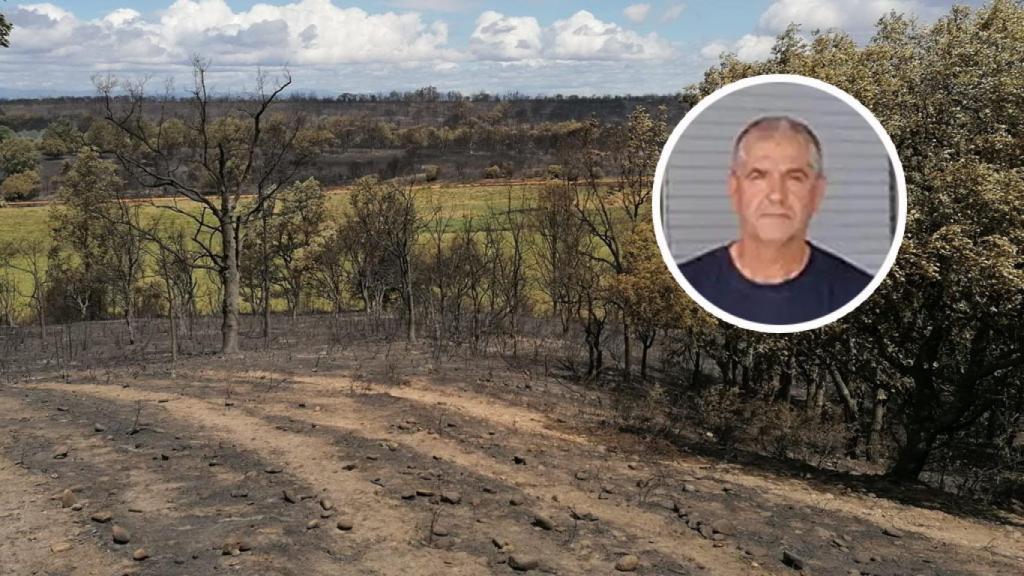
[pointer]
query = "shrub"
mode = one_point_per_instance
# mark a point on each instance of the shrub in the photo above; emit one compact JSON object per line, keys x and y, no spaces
{"x":21,"y":186}
{"x":492,"y":172}
{"x":432,"y":172}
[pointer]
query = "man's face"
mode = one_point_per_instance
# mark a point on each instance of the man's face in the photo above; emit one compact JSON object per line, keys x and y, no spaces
{"x":774,"y":187}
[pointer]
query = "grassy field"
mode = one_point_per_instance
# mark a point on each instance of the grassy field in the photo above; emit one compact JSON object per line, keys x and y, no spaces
{"x":459,"y":202}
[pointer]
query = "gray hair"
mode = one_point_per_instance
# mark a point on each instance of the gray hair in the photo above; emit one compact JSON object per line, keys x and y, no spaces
{"x":775,"y":125}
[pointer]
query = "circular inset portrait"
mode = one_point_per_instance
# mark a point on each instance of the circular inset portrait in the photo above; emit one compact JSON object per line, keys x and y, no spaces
{"x":779,"y":203}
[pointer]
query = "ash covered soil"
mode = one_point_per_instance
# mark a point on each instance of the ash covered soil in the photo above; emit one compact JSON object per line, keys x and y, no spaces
{"x":377,"y":462}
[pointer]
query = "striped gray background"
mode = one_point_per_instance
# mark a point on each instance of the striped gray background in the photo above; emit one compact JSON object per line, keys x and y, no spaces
{"x":856,"y":219}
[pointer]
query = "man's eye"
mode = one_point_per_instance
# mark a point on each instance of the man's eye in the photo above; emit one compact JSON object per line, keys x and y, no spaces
{"x":798,"y":177}
{"x":756,"y":175}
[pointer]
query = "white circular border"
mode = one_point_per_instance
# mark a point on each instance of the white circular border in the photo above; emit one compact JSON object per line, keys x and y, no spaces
{"x":659,"y":176}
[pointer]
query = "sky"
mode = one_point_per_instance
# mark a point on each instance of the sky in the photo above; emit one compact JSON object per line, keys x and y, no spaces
{"x":365,"y":46}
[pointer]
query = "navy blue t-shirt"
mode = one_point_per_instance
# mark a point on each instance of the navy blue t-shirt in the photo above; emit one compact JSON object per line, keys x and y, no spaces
{"x":825,"y":284}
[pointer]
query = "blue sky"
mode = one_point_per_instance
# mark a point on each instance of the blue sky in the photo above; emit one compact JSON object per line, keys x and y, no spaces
{"x":334,"y":46}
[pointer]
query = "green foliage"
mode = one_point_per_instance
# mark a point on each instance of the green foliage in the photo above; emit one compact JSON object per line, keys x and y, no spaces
{"x":21,"y":186}
{"x":944,"y":329}
{"x":60,"y":138}
{"x":17,"y":155}
{"x":84,"y":232}
{"x":5,"y":32}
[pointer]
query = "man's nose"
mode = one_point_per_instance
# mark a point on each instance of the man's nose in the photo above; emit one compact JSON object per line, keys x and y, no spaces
{"x":777,"y":191}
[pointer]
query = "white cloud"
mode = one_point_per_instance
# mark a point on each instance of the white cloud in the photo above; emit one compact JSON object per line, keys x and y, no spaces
{"x":853,"y":16}
{"x":121,"y":16}
{"x":300,"y":32}
{"x":673,"y":12}
{"x":749,"y":47}
{"x":500,"y":37}
{"x":582,"y":36}
{"x":637,"y":12}
{"x":435,"y":5}
{"x":327,"y":45}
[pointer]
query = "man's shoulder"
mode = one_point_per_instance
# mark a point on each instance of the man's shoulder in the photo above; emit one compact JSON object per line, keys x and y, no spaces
{"x":840,"y":270}
{"x":706,"y":263}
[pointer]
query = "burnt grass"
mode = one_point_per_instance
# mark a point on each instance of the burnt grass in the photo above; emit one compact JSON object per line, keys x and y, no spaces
{"x":507,"y":444}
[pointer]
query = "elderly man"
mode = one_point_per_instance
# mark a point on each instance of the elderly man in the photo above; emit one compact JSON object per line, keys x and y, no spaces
{"x":772,"y":274}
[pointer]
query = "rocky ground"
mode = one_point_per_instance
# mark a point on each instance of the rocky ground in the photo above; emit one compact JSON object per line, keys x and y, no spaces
{"x":361,"y":462}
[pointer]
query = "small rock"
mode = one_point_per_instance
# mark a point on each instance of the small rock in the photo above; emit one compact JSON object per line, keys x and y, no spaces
{"x":97,"y":427}
{"x":59,"y":547}
{"x":408,"y":494}
{"x":391,"y":446}
{"x":792,"y":560}
{"x":583,"y":475}
{"x":451,"y":497}
{"x":60,"y":453}
{"x":244,"y":546}
{"x":628,"y":563}
{"x":892,"y":532}
{"x":230,"y":548}
{"x":120,"y":535}
{"x":326,"y":513}
{"x":543,"y":521}
{"x":522,"y":563}
{"x":67,"y":499}
{"x":706,"y":531}
{"x":689,"y":488}
{"x":77,"y":506}
{"x":326,"y":503}
{"x":102,"y":517}
{"x":822,"y":533}
{"x":584,"y":516}
{"x":724,"y":527}
{"x":439,"y":530}
{"x":519,"y":459}
{"x":272,"y":470}
{"x":345,"y":524}
{"x":424,"y":492}
{"x":312,"y":524}
{"x":515,"y":501}
{"x":289,"y":496}
{"x":140,"y":554}
{"x":349,"y":467}
{"x":239,"y":493}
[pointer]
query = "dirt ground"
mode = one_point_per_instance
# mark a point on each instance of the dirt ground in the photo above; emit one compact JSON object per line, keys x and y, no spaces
{"x":384,"y":461}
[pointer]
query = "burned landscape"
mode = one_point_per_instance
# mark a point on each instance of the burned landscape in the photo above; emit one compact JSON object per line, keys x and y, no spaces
{"x":216,"y":359}
{"x":377,"y":457}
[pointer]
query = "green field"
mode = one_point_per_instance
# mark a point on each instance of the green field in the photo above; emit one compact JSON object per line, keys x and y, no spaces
{"x":459,"y":203}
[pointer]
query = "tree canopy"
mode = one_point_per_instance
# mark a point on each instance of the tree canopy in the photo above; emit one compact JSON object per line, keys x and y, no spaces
{"x":944,"y":328}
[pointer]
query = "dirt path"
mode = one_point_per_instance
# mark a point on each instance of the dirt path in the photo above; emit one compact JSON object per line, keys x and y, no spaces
{"x":434,"y":478}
